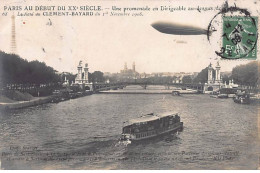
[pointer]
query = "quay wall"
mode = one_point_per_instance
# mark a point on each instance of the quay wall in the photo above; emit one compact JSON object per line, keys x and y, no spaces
{"x":40,"y":100}
{"x":23,"y":104}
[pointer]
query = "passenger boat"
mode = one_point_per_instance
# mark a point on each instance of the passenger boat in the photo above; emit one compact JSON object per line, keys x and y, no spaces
{"x":151,"y":125}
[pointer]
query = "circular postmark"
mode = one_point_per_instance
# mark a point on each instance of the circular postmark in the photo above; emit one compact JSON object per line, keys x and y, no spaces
{"x":233,"y":33}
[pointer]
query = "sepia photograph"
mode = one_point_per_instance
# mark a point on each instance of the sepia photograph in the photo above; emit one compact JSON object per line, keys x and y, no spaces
{"x":129,"y":85}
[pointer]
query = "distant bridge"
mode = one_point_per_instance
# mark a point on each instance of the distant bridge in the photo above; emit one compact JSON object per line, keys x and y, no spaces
{"x":48,"y":88}
{"x":121,"y":85}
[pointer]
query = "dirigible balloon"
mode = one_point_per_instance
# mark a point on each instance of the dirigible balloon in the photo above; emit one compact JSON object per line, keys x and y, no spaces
{"x":177,"y":29}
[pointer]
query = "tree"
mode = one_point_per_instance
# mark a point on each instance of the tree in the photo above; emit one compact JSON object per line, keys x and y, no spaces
{"x":69,"y":76}
{"x":225,"y":79}
{"x":97,"y":76}
{"x":15,"y":70}
{"x":202,"y":77}
{"x":247,"y":74}
{"x":186,"y":79}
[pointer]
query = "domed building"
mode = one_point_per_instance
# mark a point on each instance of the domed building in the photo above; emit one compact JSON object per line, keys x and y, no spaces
{"x":129,"y":73}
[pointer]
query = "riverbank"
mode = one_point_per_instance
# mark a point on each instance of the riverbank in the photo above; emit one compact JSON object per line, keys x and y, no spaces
{"x":8,"y":103}
{"x":22,"y":104}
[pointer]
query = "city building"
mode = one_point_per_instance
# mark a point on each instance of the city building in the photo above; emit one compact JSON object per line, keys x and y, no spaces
{"x":129,"y":73}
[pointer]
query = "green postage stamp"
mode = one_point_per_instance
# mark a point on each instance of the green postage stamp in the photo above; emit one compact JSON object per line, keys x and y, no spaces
{"x":239,"y":37}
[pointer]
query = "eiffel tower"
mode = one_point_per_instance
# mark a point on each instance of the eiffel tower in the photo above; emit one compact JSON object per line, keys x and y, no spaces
{"x":13,"y":36}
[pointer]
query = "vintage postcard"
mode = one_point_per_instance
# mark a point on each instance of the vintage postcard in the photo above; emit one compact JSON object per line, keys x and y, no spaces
{"x":129,"y":85}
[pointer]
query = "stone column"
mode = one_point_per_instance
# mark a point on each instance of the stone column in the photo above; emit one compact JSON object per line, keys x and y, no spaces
{"x":210,"y":74}
{"x":133,"y":68}
{"x":86,"y":73}
{"x":218,"y":80}
{"x":79,"y":76}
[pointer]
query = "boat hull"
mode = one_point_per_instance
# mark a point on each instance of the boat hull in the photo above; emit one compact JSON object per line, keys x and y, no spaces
{"x":176,"y":127}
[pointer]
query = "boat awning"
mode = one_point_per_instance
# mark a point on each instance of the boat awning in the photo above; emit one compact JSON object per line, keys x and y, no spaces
{"x":142,"y":119}
{"x":167,"y":114}
{"x":149,"y":117}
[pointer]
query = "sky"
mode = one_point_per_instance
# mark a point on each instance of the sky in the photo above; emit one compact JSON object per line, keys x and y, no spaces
{"x":106,"y":43}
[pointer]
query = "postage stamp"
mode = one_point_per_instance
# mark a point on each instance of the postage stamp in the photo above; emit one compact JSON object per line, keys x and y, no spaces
{"x":234,"y":31}
{"x":239,"y":37}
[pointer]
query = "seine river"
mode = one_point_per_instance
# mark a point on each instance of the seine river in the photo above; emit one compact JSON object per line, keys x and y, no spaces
{"x":83,"y":134}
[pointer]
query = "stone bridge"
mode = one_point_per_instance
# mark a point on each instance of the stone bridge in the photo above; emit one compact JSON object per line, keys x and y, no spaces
{"x":120,"y":85}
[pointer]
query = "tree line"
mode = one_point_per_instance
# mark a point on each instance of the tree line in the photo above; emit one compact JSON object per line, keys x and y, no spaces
{"x":15,"y":70}
{"x":244,"y":75}
{"x":247,"y":75}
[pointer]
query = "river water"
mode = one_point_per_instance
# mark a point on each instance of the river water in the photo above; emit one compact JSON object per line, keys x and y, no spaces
{"x":83,"y":134}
